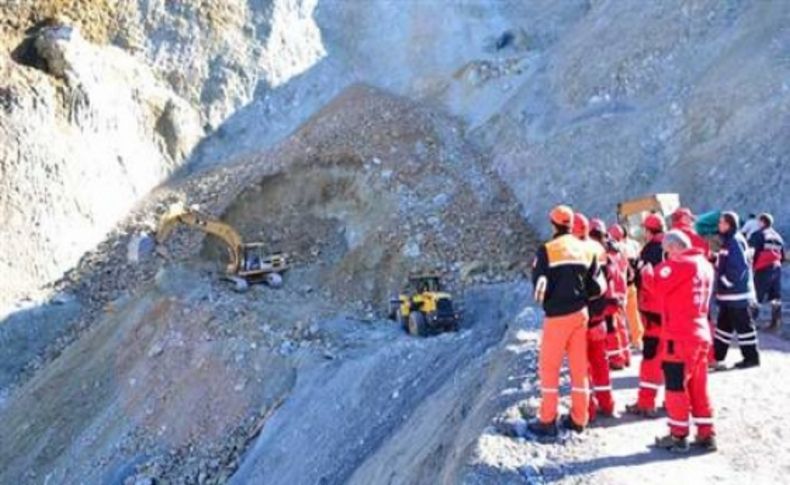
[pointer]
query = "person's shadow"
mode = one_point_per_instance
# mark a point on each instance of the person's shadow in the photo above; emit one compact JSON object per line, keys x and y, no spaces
{"x":601,"y":463}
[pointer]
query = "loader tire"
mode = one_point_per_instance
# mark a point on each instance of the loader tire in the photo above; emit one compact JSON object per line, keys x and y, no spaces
{"x":418,"y":327}
{"x":403,"y":321}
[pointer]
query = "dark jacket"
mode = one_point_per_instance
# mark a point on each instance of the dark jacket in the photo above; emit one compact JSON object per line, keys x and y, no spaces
{"x":769,"y":249}
{"x":564,"y":273}
{"x":734,"y":286}
{"x":651,"y":256}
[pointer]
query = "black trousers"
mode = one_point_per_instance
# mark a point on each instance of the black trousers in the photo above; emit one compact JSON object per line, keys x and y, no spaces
{"x":734,"y":321}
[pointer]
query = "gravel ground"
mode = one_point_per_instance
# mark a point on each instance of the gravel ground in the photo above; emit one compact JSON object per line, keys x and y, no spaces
{"x":749,"y":419}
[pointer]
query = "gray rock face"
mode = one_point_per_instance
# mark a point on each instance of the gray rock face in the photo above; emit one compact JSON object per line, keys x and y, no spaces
{"x":581,"y":102}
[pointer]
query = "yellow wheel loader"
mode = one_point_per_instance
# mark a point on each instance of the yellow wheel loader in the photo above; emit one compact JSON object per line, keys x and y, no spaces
{"x":247,"y":262}
{"x":423,"y":308}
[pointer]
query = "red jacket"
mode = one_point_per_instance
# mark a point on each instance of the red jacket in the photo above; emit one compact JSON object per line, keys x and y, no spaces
{"x":617,"y":279}
{"x":697,"y":241}
{"x":683,"y":285}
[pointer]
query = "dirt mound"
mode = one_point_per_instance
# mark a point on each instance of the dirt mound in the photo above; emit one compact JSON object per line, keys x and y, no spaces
{"x":376,"y":187}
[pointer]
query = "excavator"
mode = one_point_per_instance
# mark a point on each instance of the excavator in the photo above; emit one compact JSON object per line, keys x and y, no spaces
{"x":247,"y":263}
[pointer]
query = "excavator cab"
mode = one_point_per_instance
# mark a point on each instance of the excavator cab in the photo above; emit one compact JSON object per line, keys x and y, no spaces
{"x":423,"y":308}
{"x":632,"y":213}
{"x":258,"y":266}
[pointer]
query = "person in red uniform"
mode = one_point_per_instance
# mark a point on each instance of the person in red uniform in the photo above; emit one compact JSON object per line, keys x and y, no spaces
{"x":620,"y":318}
{"x":651,"y":377}
{"x":615,"y":294}
{"x":601,"y":399}
{"x":683,"y":220}
{"x":683,"y":284}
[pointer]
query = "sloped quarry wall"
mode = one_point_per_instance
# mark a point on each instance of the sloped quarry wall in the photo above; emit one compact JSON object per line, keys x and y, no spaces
{"x":82,"y":142}
{"x":586,"y":102}
{"x":104,"y":100}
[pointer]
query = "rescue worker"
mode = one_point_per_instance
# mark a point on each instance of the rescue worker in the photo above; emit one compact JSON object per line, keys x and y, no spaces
{"x":564,"y":279}
{"x":734,"y":292}
{"x":617,"y":238}
{"x":651,"y":377}
{"x":683,"y":220}
{"x":616,"y":288}
{"x":631,"y":249}
{"x":769,"y":252}
{"x":750,"y":226}
{"x":683,"y":284}
{"x":601,"y":399}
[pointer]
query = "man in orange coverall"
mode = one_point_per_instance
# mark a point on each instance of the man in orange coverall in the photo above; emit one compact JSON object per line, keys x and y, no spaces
{"x":601,"y":400}
{"x":684,"y":283}
{"x":564,"y":278}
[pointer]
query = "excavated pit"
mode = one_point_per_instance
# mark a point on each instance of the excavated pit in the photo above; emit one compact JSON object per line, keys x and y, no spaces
{"x":378,"y":188}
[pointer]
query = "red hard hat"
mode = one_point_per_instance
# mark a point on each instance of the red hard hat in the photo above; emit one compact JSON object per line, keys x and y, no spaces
{"x":597,"y":225}
{"x":616,"y":232}
{"x":681,"y":214}
{"x":562,"y":215}
{"x":655,"y":223}
{"x":581,"y":226}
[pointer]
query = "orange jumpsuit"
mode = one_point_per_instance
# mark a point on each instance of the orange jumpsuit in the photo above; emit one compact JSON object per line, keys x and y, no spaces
{"x":564,"y":275}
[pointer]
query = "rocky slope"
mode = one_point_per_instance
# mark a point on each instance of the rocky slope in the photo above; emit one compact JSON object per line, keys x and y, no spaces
{"x":688,"y":96}
{"x":472,"y":118}
{"x":353,"y":195}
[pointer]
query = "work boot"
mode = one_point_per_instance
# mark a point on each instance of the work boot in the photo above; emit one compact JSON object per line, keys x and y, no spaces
{"x":707,"y":444}
{"x":567,"y":423}
{"x":717,"y":366}
{"x":747,"y":364}
{"x":674,"y":444}
{"x":542,"y":430}
{"x":754,"y":310}
{"x":608,"y":413}
{"x":636,"y":410}
{"x":776,"y":318}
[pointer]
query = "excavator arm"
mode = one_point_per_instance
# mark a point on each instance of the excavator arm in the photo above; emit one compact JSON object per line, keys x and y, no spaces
{"x":188,"y":216}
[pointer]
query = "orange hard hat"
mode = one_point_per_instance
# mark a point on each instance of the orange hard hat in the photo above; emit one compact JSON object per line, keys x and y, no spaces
{"x":562,"y":215}
{"x":581,"y":226}
{"x":655,"y":223}
{"x":597,"y":225}
{"x":616,"y":232}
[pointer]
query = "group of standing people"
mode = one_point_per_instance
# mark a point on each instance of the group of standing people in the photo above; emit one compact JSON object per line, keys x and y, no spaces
{"x":603,"y":292}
